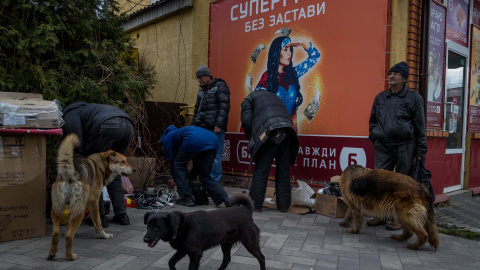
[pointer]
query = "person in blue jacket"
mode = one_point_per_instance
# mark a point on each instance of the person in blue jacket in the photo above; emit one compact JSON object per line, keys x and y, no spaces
{"x":199,"y":145}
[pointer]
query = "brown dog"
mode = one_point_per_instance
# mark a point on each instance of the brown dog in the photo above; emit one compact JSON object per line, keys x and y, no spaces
{"x":385,"y":194}
{"x":193,"y":233}
{"x":79,"y":183}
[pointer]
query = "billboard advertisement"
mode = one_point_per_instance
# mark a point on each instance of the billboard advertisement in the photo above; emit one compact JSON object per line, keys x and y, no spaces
{"x":338,"y":54}
{"x":476,"y":13}
{"x":457,"y":21}
{"x":436,"y":64}
{"x":474,"y":98}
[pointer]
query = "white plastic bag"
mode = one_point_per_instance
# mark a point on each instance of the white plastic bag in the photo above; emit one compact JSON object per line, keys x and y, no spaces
{"x":301,"y":195}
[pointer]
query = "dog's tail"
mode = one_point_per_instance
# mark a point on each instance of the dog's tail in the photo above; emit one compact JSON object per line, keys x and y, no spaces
{"x":65,"y":156}
{"x":241,"y":199}
{"x":431,"y":227}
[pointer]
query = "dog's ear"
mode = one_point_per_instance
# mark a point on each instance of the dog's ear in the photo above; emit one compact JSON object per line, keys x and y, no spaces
{"x":174,"y":219}
{"x":112,"y":154}
{"x":146,"y":216}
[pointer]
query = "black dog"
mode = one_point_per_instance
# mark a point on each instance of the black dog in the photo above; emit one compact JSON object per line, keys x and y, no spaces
{"x":193,"y":233}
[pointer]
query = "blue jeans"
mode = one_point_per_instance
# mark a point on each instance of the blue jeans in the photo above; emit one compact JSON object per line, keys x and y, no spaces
{"x":217,"y":163}
{"x":203,"y":163}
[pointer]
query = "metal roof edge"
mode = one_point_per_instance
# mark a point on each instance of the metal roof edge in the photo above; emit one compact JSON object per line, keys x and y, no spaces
{"x":154,"y":12}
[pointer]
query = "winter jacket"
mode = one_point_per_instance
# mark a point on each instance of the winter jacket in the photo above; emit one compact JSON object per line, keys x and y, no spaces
{"x":212,"y":106}
{"x":398,"y":119}
{"x":262,"y":113}
{"x":86,"y":118}
{"x":187,"y":139}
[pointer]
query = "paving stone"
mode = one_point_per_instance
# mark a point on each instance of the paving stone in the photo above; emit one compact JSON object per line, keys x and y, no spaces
{"x":370,"y":262}
{"x":390,"y":259}
{"x":142,"y":261}
{"x":290,"y":259}
{"x":115,"y":263}
{"x":316,"y":249}
{"x":310,"y":255}
{"x":294,"y":242}
{"x":409,"y":257}
{"x":326,"y":265}
{"x":348,"y":263}
{"x":288,"y":241}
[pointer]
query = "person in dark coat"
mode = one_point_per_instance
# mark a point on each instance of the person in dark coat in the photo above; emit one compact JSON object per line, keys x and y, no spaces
{"x":102,"y":127}
{"x":199,"y":145}
{"x":271,"y":134}
{"x":397,"y":128}
{"x":211,"y":111}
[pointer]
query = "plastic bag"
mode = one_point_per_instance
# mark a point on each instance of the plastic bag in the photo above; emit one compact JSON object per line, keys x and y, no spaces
{"x":301,"y":195}
{"x":127,"y":185}
{"x":423,"y":176}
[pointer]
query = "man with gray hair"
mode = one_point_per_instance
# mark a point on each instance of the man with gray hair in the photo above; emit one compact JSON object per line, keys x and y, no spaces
{"x":397,"y":128}
{"x":211,"y":111}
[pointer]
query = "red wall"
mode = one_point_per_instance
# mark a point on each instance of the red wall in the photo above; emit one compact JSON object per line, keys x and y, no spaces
{"x":474,"y":180}
{"x":445,"y":168}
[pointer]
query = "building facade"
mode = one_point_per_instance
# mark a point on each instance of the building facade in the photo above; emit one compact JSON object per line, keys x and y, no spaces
{"x":350,"y":45}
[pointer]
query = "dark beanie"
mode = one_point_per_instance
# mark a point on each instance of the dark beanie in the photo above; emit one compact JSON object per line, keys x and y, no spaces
{"x":203,"y":71}
{"x":401,"y":68}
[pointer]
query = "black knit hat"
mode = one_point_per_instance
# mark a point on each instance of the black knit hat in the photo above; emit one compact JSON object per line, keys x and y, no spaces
{"x":401,"y":68}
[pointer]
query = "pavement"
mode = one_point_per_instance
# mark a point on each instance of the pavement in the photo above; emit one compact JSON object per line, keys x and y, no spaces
{"x":288,"y":241}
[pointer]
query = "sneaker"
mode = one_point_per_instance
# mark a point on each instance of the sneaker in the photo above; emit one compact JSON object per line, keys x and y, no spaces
{"x":103,"y":219}
{"x":187,"y":201}
{"x":375,"y":222}
{"x":121,"y":219}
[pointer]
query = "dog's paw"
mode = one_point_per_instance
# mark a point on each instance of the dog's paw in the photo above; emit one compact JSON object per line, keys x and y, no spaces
{"x":73,"y":257}
{"x":50,"y":256}
{"x":343,"y":224}
{"x":107,"y":236}
{"x":413,"y":246}
{"x":351,"y":230}
{"x":399,"y":237}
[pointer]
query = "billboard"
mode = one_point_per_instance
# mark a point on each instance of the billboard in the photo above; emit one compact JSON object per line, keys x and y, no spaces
{"x":338,"y":53}
{"x":457,"y":21}
{"x":436,"y":64}
{"x":474,"y":98}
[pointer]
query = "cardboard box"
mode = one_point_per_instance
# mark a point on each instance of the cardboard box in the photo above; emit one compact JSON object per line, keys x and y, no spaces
{"x":330,"y":206}
{"x":145,"y":172}
{"x":22,"y":186}
{"x":296,"y":209}
{"x":19,"y":111}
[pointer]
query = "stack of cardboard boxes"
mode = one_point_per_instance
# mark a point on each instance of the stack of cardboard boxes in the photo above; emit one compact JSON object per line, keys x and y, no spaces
{"x":25,"y":119}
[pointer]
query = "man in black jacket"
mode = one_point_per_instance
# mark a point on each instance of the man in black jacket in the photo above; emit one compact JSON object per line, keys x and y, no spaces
{"x":102,"y":127}
{"x":269,"y":128}
{"x":397,"y":128}
{"x":211,"y":111}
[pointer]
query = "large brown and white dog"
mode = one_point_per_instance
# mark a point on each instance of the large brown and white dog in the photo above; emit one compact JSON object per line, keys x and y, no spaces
{"x":385,"y":194}
{"x":79,"y":183}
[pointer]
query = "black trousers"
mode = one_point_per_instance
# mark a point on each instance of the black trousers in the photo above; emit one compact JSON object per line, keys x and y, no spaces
{"x":263,"y":162}
{"x":116,"y":134}
{"x":202,"y":161}
{"x":398,"y":157}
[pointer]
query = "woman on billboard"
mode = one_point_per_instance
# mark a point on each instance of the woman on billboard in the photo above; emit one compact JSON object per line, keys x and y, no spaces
{"x":281,"y":77}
